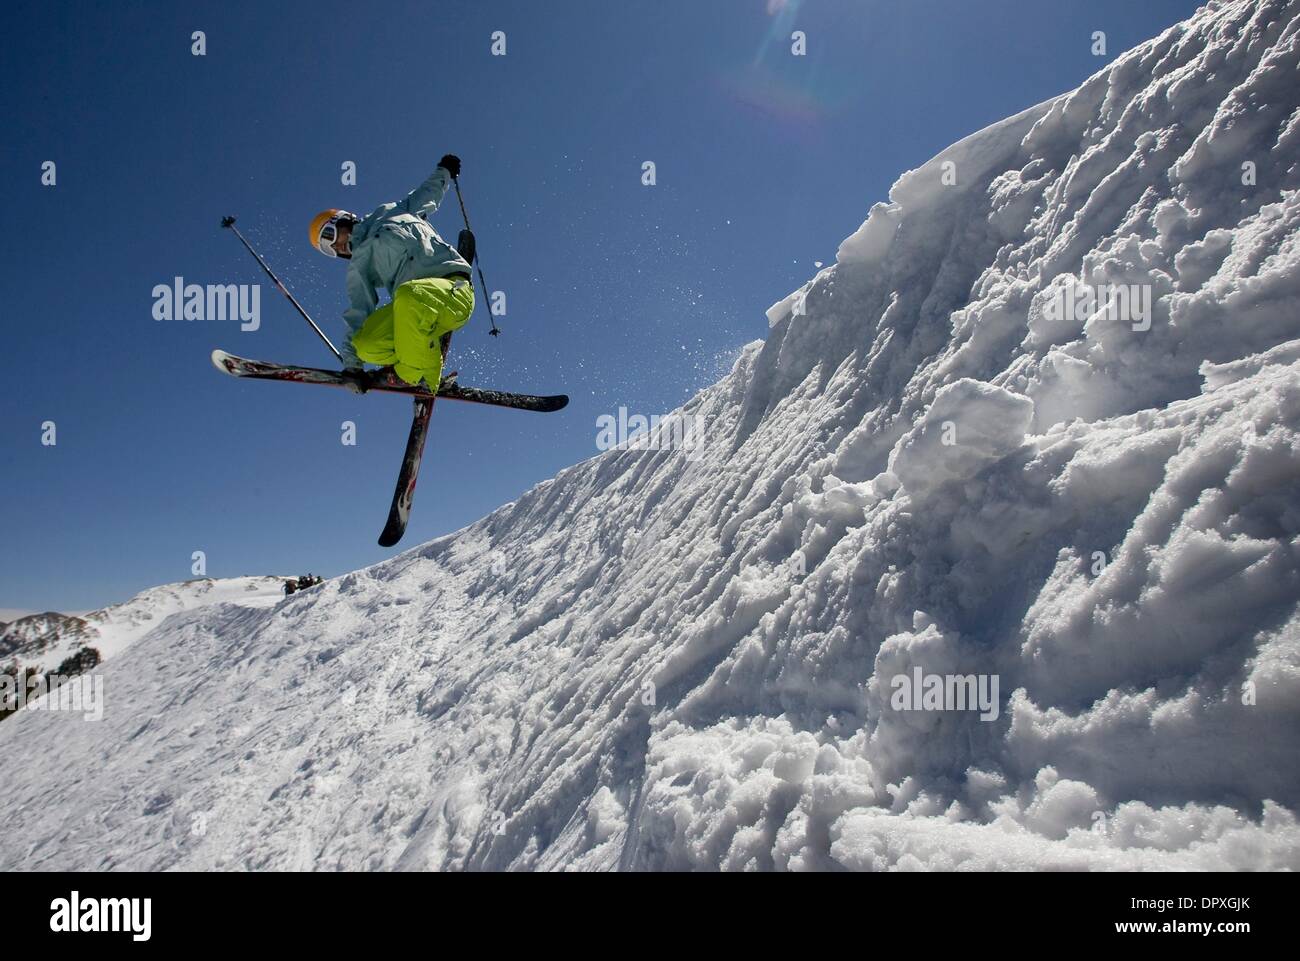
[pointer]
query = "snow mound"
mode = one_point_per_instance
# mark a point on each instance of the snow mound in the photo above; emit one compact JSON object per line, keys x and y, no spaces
{"x":930,"y":469}
{"x":121,"y":625}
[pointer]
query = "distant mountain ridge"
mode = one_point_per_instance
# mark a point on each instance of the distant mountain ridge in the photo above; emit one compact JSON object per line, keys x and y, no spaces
{"x":42,"y":641}
{"x":30,"y":636}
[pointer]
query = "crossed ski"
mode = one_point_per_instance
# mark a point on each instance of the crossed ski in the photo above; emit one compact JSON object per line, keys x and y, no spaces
{"x":404,"y":494}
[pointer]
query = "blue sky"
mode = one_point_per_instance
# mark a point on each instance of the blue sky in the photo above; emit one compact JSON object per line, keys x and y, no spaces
{"x":618,"y":294}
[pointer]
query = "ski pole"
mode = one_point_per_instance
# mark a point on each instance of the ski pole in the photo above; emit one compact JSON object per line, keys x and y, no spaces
{"x":478,"y":264}
{"x":229,"y":222}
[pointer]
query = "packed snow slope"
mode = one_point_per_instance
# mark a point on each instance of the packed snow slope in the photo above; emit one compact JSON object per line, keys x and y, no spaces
{"x":658,"y":660}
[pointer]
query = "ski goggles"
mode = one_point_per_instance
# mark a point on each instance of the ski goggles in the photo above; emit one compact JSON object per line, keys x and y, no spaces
{"x":329,"y":233}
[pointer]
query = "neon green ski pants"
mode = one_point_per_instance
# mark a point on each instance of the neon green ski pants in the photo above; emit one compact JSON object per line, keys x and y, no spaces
{"x":407,"y":331}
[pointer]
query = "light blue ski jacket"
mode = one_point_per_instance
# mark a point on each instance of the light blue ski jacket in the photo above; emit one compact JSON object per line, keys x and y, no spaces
{"x":391,"y":245}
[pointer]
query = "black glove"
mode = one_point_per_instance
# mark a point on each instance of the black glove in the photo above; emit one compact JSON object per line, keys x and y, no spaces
{"x":356,"y":380}
{"x":450,"y":163}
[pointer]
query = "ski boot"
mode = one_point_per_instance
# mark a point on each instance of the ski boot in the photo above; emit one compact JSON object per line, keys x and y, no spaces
{"x":382,"y":375}
{"x":446,"y":381}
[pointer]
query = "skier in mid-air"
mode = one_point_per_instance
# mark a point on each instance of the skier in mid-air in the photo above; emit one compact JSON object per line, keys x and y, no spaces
{"x":394,"y":247}
{"x":431,"y":295}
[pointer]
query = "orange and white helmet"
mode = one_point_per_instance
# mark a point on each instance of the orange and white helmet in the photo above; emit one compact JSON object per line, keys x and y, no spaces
{"x":324,"y":229}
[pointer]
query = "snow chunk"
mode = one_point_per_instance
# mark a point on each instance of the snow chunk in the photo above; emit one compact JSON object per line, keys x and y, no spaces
{"x":969,"y":426}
